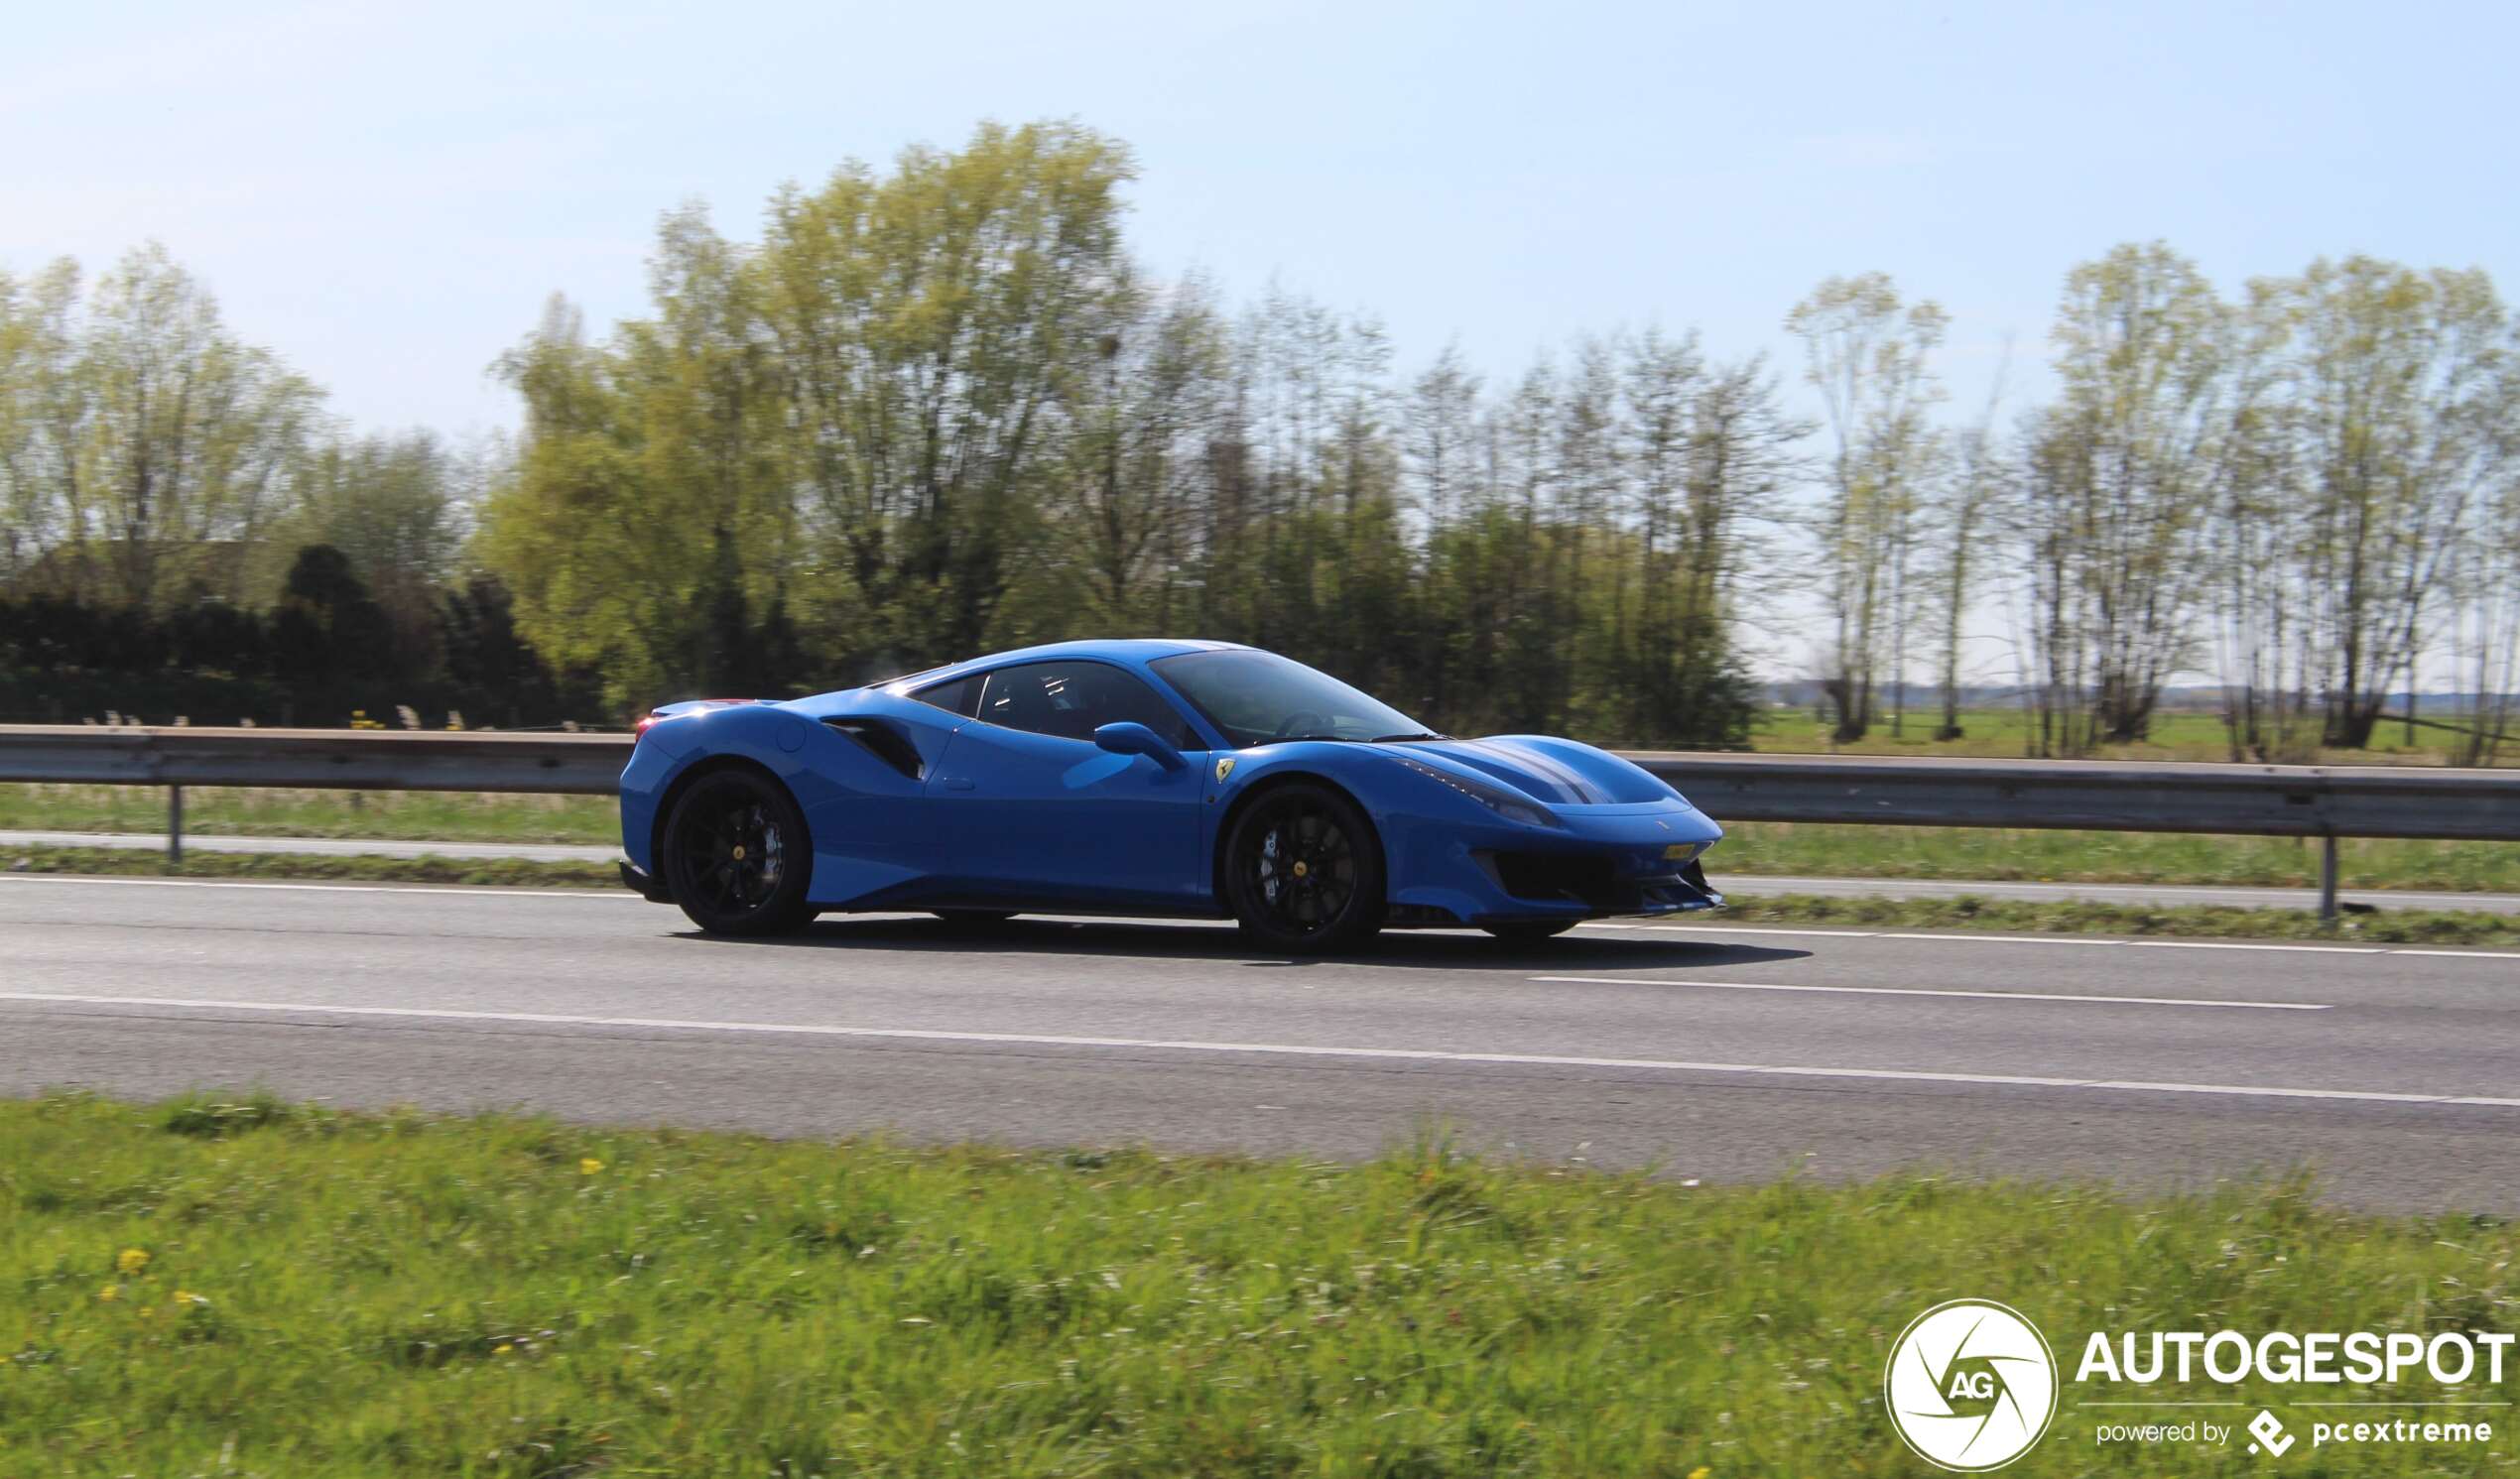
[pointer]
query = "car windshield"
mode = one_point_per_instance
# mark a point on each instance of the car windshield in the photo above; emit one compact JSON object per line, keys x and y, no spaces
{"x":1255,"y":697}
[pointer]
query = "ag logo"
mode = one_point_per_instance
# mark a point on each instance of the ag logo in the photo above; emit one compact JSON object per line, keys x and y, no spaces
{"x":1224,"y":768}
{"x":1971,"y":1386}
{"x":2268,"y":1429}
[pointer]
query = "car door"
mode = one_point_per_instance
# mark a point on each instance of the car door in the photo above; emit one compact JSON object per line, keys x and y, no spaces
{"x":1031,"y":810}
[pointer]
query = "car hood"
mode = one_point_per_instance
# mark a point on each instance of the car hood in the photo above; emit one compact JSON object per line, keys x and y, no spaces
{"x":1559,"y":772}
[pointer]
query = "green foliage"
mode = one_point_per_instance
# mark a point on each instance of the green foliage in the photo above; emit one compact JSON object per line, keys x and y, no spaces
{"x":228,"y":1281}
{"x":937,"y":411}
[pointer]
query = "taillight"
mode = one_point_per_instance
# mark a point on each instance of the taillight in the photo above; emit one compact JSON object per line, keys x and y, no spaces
{"x":640,"y":727}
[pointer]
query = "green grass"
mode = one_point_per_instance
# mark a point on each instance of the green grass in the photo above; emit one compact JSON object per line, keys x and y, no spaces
{"x":1747,"y":907}
{"x":126,"y":862}
{"x":2394,"y":927}
{"x":234,"y":1284}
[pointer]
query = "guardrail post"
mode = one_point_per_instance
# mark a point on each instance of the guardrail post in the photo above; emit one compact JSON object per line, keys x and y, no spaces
{"x":175,"y":825}
{"x":2328,"y":877}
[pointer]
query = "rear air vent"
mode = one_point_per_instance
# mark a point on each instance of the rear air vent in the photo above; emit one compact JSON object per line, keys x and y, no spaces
{"x":885,"y":743}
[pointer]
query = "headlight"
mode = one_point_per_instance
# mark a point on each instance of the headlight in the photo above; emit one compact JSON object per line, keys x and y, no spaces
{"x":1494,"y":798}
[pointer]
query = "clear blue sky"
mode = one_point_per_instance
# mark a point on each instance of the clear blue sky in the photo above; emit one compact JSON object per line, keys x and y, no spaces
{"x":385,"y":194}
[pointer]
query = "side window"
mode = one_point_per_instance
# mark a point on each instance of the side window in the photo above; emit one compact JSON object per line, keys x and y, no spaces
{"x":1071,"y":700}
{"x":955,"y":696}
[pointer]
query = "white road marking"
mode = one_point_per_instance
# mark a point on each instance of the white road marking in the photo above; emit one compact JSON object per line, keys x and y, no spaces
{"x":2464,"y":954}
{"x":2020,"y":939}
{"x":2216,"y":945}
{"x":1290,"y":1050}
{"x":1724,"y":929}
{"x":2001,"y":996}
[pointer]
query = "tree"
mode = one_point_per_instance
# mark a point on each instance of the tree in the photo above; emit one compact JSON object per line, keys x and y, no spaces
{"x":2398,"y":374}
{"x":925,"y":323}
{"x":140,"y":441}
{"x":1865,"y":350}
{"x":2116,"y":484}
{"x":1964,"y":503}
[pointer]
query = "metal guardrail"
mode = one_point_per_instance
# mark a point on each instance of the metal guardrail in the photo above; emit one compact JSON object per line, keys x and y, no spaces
{"x":336,"y":759}
{"x":2321,"y":802}
{"x":2263,"y":801}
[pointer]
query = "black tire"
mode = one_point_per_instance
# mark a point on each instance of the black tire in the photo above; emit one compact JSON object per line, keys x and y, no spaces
{"x":973,"y":919}
{"x":1304,"y":870}
{"x":1523,"y":930}
{"x":737,"y":856}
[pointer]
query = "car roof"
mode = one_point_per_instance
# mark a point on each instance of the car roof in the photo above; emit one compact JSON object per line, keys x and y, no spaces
{"x":1130,"y":650}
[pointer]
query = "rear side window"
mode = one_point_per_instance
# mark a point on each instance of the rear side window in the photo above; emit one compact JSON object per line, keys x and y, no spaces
{"x":955,"y":696}
{"x":1072,"y":699}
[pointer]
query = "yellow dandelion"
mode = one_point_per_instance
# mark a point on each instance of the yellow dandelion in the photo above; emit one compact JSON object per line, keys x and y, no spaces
{"x":589,"y":1165}
{"x":503,"y":1350}
{"x":110,"y":1293}
{"x":1700,"y":1473}
{"x":187,"y":1297}
{"x":132,"y":1260}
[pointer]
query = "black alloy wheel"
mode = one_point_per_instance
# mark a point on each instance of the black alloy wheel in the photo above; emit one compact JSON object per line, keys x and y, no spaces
{"x":1304,"y":872}
{"x":737,"y":857}
{"x":1520,"y":931}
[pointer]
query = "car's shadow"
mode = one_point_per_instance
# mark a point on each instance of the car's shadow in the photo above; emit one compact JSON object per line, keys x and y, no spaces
{"x":1443,"y":949}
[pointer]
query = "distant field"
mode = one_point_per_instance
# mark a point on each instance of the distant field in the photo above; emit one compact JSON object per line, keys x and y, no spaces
{"x":234,"y":1284}
{"x":2001,"y":732}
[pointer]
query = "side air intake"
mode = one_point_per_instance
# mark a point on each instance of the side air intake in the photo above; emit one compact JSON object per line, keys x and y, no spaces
{"x":885,"y":743}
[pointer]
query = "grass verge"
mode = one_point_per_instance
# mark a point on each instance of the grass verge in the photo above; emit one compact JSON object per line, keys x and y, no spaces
{"x":2401,"y":926}
{"x":132,"y":862}
{"x":246,"y":1286}
{"x":1967,"y":913}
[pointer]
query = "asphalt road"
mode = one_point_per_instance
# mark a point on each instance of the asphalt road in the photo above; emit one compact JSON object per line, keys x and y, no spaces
{"x":1746,"y":884}
{"x":1700,"y":1051}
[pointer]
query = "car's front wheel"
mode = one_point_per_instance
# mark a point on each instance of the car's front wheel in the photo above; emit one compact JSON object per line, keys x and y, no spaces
{"x":1303,"y":873}
{"x":736,"y":855}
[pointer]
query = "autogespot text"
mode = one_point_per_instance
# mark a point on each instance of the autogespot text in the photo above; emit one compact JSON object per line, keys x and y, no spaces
{"x":2360,"y":1357}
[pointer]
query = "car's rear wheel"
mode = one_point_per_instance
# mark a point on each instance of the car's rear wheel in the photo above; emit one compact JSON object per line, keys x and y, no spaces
{"x":737,"y":857}
{"x":1529,"y":930}
{"x":1304,"y":872}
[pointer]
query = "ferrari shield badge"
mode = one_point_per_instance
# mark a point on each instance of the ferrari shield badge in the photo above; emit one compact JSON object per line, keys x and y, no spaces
{"x":1224,"y":768}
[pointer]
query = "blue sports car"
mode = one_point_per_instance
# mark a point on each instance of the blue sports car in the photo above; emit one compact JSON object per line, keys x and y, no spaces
{"x":1197,"y":778}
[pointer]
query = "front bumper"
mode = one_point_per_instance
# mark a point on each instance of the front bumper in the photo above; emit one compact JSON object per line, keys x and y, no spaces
{"x":1597,"y":883}
{"x":1601,"y":862}
{"x":643,"y":884}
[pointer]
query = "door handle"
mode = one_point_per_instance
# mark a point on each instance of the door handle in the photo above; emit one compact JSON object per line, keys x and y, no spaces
{"x":956,"y":783}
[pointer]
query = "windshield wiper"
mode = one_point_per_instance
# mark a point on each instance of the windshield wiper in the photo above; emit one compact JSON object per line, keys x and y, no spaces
{"x":1423,"y":734}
